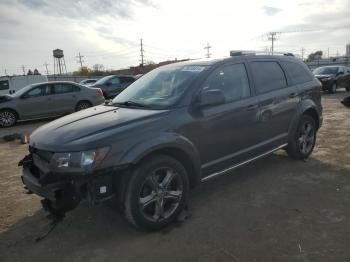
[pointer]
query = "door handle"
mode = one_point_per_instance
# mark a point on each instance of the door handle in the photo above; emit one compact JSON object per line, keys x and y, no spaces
{"x":292,"y":95}
{"x":252,"y":107}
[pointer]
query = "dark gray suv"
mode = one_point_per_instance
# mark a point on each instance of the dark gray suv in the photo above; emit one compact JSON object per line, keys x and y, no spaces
{"x":173,"y":128}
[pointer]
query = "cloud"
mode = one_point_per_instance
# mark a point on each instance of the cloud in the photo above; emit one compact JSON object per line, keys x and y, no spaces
{"x":86,"y":9}
{"x":271,"y":11}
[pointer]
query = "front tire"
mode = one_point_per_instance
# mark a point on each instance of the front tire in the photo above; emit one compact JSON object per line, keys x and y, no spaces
{"x":156,"y":193}
{"x":303,"y":140}
{"x":8,"y":118}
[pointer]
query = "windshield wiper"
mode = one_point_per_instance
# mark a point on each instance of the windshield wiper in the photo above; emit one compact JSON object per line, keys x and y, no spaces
{"x":130,"y":103}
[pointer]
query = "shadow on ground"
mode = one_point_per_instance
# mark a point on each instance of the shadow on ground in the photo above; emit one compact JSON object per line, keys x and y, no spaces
{"x":274,"y":209}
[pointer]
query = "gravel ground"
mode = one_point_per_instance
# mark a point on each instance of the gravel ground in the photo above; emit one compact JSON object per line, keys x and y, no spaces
{"x":275,"y":209}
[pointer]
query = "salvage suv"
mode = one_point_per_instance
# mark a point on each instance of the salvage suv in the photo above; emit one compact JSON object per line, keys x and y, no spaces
{"x":174,"y":127}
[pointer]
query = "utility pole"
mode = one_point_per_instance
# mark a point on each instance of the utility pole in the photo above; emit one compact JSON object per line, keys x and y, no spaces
{"x":208,"y":50}
{"x":80,"y":61}
{"x":328,"y":52}
{"x":47,"y":70}
{"x":142,"y":55}
{"x":5,"y":72}
{"x":24,"y":70}
{"x":302,"y":53}
{"x":273,"y":37}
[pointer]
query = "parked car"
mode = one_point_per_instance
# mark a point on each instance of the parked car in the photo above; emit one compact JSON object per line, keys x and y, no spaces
{"x":11,"y":84}
{"x":113,"y":85}
{"x":88,"y":82}
{"x":174,"y":127}
{"x":333,"y":77}
{"x":46,"y":100}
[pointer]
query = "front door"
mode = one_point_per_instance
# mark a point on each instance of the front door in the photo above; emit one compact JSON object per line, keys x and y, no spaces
{"x":227,"y":132}
{"x":36,"y":103}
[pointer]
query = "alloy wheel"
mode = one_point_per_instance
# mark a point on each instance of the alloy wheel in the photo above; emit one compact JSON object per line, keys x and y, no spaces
{"x":160,"y":194}
{"x":306,"y":138}
{"x":7,"y":118}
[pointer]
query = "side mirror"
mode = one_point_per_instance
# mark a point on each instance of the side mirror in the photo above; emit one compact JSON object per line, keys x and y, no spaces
{"x":25,"y":96}
{"x":211,"y":98}
{"x":340,"y":73}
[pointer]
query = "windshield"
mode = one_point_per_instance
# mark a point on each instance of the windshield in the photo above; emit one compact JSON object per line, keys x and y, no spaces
{"x":326,"y":71}
{"x":160,"y":88}
{"x":102,"y":80}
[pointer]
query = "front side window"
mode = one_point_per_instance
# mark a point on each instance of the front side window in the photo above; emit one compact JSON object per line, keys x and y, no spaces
{"x":297,"y":72}
{"x":38,"y":91}
{"x":331,"y":70}
{"x":161,"y":87}
{"x":268,"y":76}
{"x":232,"y":80}
{"x":115,"y":81}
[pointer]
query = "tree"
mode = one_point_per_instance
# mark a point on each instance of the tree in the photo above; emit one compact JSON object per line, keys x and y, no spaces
{"x":315,"y":56}
{"x":29,"y":72}
{"x":98,"y":67}
{"x":36,"y":72}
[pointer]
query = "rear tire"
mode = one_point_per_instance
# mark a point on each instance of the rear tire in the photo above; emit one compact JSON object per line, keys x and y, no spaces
{"x":333,"y":88}
{"x":83,"y":105}
{"x":156,"y":192}
{"x":303,"y":140}
{"x":8,"y":118}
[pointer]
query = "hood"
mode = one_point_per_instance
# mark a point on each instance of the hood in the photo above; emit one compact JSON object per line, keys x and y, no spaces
{"x":91,"y":128}
{"x":323,"y":76}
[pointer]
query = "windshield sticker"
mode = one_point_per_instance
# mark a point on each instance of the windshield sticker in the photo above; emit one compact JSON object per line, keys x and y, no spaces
{"x":193,"y":68}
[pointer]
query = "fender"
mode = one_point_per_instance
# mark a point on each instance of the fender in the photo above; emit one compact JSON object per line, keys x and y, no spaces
{"x":166,"y":141}
{"x":303,"y":106}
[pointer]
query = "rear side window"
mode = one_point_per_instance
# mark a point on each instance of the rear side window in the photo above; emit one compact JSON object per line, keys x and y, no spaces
{"x":4,"y":85}
{"x":297,"y":72}
{"x":63,"y":88}
{"x":268,"y":76}
{"x":232,"y":80}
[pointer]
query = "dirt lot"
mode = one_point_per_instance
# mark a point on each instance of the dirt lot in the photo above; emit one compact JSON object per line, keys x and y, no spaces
{"x":275,"y":209}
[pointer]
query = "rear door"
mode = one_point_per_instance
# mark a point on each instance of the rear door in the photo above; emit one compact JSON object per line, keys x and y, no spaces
{"x":278,"y":101}
{"x":227,"y":131}
{"x":65,"y":97}
{"x":37,"y":102}
{"x":342,"y":77}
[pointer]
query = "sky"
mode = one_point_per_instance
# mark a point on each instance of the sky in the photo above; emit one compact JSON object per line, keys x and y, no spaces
{"x":108,"y":32}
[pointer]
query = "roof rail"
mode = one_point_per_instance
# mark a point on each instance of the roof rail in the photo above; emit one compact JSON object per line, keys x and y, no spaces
{"x":247,"y":52}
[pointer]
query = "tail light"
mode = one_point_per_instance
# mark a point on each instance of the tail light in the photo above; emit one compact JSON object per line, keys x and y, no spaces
{"x":321,"y":87}
{"x":100,"y":92}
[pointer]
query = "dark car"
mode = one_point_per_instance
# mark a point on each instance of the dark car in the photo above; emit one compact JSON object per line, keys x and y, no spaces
{"x":46,"y":100}
{"x":333,"y":77}
{"x":174,"y":127}
{"x":112,"y":85}
{"x":88,"y":82}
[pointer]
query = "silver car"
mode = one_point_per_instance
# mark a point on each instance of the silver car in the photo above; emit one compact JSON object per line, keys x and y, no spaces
{"x":46,"y":100}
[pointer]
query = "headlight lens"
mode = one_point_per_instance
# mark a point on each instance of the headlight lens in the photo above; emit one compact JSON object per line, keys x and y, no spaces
{"x":78,"y":161}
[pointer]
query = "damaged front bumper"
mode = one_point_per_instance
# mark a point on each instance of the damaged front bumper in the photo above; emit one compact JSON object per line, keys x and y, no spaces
{"x":62,"y":192}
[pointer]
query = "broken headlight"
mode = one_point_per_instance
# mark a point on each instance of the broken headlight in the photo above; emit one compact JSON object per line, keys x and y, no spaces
{"x":78,"y":161}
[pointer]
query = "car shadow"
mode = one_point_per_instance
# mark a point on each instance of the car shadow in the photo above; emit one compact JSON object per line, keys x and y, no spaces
{"x":258,"y":191}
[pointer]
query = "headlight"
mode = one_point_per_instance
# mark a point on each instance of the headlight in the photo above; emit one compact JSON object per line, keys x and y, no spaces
{"x":78,"y":161}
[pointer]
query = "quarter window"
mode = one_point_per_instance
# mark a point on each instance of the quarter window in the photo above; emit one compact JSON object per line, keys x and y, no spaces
{"x":268,"y":76}
{"x":232,"y":80}
{"x":297,"y":72}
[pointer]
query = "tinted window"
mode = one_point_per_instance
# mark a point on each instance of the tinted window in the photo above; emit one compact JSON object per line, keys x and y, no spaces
{"x":297,"y":72}
{"x":39,"y":91}
{"x":340,"y":70}
{"x":4,"y":85}
{"x":63,"y":88}
{"x":114,"y":81}
{"x":232,"y":80}
{"x":268,"y":76}
{"x":126,"y":79}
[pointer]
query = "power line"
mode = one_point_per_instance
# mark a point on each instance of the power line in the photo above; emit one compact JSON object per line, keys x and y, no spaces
{"x":208,"y":50}
{"x":141,"y":50}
